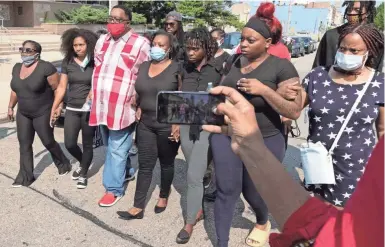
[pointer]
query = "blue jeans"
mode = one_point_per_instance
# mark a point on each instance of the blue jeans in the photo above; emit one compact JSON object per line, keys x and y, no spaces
{"x":117,"y":161}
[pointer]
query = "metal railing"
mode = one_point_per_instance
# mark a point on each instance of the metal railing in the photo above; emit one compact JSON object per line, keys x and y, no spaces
{"x":5,"y":33}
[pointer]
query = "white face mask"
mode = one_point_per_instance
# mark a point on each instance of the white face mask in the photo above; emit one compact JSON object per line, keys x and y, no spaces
{"x":350,"y":62}
{"x":219,"y":42}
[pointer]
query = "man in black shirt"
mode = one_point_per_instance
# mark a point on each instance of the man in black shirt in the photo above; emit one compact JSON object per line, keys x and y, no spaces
{"x":356,"y":12}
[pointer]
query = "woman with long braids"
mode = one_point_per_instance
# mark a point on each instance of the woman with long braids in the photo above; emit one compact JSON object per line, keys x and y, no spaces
{"x":355,"y":12}
{"x":198,"y":71}
{"x":173,"y":24}
{"x":78,"y":65}
{"x":257,"y":75}
{"x":330,"y":93}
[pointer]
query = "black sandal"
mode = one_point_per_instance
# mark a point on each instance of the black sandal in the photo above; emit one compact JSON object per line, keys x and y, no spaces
{"x":183,"y":237}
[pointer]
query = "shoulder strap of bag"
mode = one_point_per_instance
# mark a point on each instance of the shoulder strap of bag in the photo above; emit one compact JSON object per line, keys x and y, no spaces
{"x":229,"y":63}
{"x":358,"y":100}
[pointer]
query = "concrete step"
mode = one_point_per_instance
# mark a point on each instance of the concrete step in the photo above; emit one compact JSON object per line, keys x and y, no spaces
{"x":16,"y":49}
{"x":43,"y":44}
{"x":10,"y":52}
{"x":26,"y":28}
{"x":24,"y":32}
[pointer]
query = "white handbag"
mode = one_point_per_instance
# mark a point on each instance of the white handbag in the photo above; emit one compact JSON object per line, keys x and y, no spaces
{"x":317,"y":162}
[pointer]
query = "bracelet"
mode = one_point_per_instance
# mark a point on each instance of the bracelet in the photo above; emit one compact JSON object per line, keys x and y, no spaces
{"x":10,"y":108}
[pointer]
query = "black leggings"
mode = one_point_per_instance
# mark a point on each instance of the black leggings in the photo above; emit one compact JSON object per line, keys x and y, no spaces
{"x":74,"y":122}
{"x":26,"y":128}
{"x":232,"y":179}
{"x":153,"y":143}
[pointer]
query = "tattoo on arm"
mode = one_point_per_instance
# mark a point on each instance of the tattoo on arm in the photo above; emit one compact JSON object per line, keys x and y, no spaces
{"x":290,"y":109}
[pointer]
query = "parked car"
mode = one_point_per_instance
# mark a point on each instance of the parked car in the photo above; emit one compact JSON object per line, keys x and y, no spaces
{"x":231,"y":40}
{"x":309,"y":45}
{"x":297,"y":47}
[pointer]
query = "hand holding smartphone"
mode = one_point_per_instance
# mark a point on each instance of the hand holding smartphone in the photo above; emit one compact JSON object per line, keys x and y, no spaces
{"x":188,"y":108}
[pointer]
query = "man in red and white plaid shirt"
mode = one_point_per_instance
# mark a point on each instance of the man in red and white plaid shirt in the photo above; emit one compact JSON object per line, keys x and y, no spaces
{"x":118,"y":56}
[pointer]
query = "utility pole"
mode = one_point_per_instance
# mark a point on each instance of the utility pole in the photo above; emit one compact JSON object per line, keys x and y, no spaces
{"x":288,"y":19}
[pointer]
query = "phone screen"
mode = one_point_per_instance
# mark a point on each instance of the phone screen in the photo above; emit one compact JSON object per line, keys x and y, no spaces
{"x":188,"y":108}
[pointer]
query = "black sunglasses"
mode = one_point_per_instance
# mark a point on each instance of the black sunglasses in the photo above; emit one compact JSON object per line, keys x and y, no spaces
{"x":171,"y":24}
{"x":26,"y":50}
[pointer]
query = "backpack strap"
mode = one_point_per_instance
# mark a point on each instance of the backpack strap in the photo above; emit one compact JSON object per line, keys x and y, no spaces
{"x":229,"y":63}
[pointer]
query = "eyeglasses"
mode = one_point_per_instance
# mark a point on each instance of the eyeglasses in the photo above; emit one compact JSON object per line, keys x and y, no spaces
{"x":26,"y":50}
{"x":111,"y":19}
{"x":171,"y":24}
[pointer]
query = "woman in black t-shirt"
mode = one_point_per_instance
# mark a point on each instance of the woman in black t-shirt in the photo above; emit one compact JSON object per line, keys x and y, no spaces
{"x":78,"y":65}
{"x":155,"y":140}
{"x":33,"y":84}
{"x":256,"y":74}
{"x":198,"y":71}
{"x":221,"y":56}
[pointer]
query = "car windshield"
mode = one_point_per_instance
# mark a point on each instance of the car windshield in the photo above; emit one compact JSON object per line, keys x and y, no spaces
{"x":231,"y":40}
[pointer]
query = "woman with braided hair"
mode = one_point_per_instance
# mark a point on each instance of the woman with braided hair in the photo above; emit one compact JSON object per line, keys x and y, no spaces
{"x":330,"y":93}
{"x":197,"y":72}
{"x":355,"y":12}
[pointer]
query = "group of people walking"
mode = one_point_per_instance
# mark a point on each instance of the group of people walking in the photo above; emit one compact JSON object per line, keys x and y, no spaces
{"x":112,"y":82}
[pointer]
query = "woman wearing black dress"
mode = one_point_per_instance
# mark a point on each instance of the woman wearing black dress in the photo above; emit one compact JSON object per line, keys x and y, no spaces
{"x":155,"y":140}
{"x":78,"y":65}
{"x":33,"y":84}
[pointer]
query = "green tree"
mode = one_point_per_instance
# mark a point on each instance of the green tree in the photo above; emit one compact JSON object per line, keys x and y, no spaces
{"x":87,"y":14}
{"x":138,"y":19}
{"x":214,"y":13}
{"x":154,"y":11}
{"x":379,"y":18}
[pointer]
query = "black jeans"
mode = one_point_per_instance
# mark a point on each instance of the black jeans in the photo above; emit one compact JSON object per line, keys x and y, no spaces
{"x":232,"y":179}
{"x":26,"y":128}
{"x":153,"y":143}
{"x":74,"y":122}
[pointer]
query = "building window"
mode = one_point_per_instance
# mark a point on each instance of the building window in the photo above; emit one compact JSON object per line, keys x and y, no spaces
{"x":20,"y":10}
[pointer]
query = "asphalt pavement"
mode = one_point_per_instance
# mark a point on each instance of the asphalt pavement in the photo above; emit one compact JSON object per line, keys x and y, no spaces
{"x":53,"y":212}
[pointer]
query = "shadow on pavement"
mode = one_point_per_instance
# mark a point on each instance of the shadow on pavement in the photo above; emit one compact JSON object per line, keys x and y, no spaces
{"x":5,"y":131}
{"x":292,"y":162}
{"x":47,"y":160}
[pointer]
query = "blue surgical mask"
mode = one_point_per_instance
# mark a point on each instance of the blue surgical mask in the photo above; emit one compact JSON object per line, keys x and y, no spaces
{"x":350,"y":62}
{"x":157,"y":53}
{"x":29,"y":60}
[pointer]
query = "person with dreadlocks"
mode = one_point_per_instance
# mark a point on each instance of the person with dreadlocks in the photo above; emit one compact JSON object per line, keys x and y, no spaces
{"x":78,"y":65}
{"x":173,"y":24}
{"x":355,"y":12}
{"x":331,"y":92}
{"x":197,"y":72}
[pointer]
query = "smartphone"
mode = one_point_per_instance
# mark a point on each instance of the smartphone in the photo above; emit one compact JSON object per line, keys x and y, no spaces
{"x":189,"y":108}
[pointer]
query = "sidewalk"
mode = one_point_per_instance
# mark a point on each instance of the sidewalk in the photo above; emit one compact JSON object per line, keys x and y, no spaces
{"x":6,"y":65}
